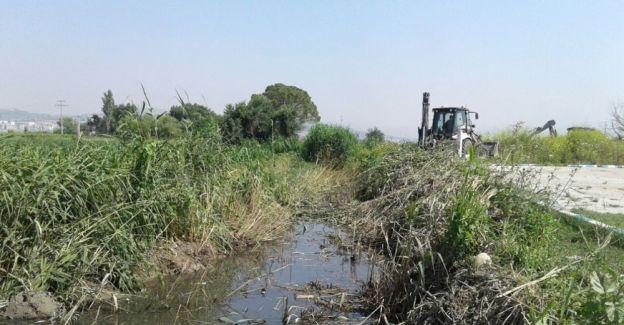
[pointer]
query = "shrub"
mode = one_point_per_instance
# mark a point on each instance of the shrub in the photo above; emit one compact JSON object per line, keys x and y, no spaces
{"x":577,"y":147}
{"x":283,"y":145}
{"x":587,"y":146}
{"x":328,"y":144}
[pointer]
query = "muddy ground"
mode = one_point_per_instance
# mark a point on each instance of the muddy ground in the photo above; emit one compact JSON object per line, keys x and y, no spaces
{"x":31,"y":305}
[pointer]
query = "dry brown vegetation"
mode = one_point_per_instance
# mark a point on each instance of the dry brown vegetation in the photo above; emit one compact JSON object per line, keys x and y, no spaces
{"x":431,"y":214}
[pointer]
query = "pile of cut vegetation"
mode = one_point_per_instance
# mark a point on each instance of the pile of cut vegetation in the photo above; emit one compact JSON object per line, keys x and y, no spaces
{"x":466,"y":245}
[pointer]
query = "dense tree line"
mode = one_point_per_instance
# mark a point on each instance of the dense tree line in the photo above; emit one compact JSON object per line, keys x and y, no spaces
{"x":279,"y":112}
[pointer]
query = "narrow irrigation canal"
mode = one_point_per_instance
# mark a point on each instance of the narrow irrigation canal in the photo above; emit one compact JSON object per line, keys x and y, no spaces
{"x":312,"y":276}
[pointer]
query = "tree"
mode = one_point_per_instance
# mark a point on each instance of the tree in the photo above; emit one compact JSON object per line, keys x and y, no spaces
{"x":373,"y":137}
{"x":252,"y":120}
{"x":258,"y":116}
{"x":168,"y":127}
{"x":295,"y":99}
{"x":96,"y":124}
{"x":231,"y":124}
{"x":69,"y":126}
{"x":283,"y":122}
{"x":617,"y":122}
{"x":329,"y":144}
{"x":118,"y":113}
{"x":280,"y":111}
{"x":202,"y":119}
{"x":192,"y":112}
{"x":108,"y":106}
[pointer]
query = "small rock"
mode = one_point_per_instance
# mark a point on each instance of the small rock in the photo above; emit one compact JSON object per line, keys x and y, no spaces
{"x":482,"y":259}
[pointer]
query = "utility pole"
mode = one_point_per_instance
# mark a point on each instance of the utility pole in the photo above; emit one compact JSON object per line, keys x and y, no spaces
{"x":78,"y":127}
{"x":60,"y":104}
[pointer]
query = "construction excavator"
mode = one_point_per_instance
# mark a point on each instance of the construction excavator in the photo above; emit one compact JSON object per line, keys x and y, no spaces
{"x":453,"y":124}
{"x":550,"y":126}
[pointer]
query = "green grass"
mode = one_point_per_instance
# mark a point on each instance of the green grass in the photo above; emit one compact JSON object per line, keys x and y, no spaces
{"x":51,"y":138}
{"x":78,"y":212}
{"x":576,"y":238}
{"x":612,"y":219}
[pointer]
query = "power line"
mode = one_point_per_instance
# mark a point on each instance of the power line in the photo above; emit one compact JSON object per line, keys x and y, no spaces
{"x":60,"y":104}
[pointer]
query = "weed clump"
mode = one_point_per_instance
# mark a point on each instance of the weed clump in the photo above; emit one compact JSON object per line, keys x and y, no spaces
{"x":468,"y":222}
{"x":384,"y":166}
{"x":330,"y":145}
{"x":431,"y":213}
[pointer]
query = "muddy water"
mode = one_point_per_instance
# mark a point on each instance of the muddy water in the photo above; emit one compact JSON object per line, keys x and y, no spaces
{"x":310,"y":277}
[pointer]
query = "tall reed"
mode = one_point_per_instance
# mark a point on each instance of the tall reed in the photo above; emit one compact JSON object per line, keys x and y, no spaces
{"x":74,"y":213}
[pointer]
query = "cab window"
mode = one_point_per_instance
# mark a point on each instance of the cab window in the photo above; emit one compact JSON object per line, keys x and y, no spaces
{"x":443,"y":123}
{"x":461,"y":120}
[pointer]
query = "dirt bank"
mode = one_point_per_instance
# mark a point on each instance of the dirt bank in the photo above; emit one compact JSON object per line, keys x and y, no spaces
{"x":181,"y":257}
{"x":32,"y":305}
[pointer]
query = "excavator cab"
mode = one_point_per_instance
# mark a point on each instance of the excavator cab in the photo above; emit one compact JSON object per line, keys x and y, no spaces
{"x":447,"y":122}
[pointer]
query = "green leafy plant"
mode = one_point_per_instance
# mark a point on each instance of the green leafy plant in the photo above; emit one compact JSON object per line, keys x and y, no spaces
{"x":330,"y":145}
{"x":469,"y":221}
{"x":604,"y":301}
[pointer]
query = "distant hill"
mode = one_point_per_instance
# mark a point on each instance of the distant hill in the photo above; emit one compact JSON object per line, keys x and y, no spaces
{"x":17,"y":115}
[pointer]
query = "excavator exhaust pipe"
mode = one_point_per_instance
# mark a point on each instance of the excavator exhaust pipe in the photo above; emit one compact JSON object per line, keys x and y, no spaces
{"x":422,"y":132}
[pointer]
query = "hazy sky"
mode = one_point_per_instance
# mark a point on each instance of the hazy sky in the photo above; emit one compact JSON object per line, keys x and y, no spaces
{"x":365,"y":61}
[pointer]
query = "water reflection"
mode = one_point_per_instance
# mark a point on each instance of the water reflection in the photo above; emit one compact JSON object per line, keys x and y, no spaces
{"x":289,"y":278}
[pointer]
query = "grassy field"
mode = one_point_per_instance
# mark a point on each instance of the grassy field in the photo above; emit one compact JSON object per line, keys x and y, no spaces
{"x":51,"y":139}
{"x":576,"y":239}
{"x":612,"y":219}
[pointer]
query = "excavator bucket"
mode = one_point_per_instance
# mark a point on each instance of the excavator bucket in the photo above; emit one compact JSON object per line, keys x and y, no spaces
{"x":488,"y":149}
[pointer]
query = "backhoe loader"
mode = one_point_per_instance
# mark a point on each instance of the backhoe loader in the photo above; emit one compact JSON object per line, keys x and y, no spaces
{"x":453,"y":124}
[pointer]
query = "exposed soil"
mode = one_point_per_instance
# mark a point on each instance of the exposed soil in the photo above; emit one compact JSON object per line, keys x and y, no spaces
{"x":183,"y":257}
{"x":32,"y":305}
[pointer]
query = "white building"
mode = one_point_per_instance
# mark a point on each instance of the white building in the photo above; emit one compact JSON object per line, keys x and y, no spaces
{"x":8,"y":126}
{"x":28,"y":126}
